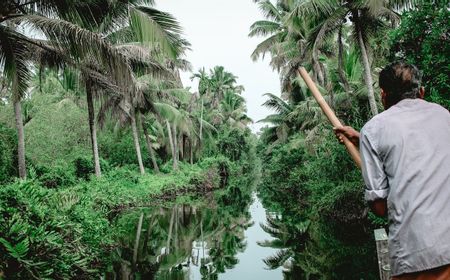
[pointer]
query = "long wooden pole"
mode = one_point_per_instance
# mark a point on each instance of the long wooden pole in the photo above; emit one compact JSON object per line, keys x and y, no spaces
{"x":351,"y":148}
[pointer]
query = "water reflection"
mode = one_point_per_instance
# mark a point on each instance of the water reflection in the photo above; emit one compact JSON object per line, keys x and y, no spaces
{"x":182,"y":241}
{"x":214,"y":238}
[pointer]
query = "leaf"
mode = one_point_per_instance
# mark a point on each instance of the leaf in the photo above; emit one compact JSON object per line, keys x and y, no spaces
{"x":18,"y":251}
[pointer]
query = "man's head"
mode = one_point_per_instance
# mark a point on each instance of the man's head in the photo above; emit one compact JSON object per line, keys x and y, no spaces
{"x":399,"y":81}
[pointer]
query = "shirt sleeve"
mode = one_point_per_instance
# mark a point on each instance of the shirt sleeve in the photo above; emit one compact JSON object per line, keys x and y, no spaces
{"x":375,"y":178}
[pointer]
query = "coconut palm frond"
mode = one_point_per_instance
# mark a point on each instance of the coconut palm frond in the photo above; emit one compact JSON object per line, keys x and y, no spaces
{"x":167,"y":111}
{"x":273,"y":119}
{"x":264,"y":47}
{"x":274,"y":243}
{"x":263,"y":28}
{"x":142,"y":62}
{"x":80,"y":43}
{"x":277,"y":104}
{"x":14,"y":58}
{"x":269,"y":10}
{"x":305,"y":9}
{"x":274,"y":232}
{"x":157,"y":29}
{"x":278,"y":259}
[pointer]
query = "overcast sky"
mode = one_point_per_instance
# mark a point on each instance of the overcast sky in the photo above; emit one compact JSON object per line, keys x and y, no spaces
{"x":218,"y":31}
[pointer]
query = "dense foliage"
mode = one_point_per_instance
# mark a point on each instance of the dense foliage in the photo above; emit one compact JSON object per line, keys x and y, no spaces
{"x":95,"y":120}
{"x":423,"y":39}
{"x":66,"y":232}
{"x":324,"y":229}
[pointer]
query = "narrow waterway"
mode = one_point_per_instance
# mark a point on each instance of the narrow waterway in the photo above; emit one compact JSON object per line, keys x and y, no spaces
{"x":214,"y":239}
{"x":251,"y":265}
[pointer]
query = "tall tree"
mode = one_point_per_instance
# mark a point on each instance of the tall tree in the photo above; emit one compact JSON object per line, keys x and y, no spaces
{"x":367,"y":17}
{"x":66,"y":43}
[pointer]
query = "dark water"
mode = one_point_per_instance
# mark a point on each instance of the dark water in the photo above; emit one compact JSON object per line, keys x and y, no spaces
{"x":208,"y":238}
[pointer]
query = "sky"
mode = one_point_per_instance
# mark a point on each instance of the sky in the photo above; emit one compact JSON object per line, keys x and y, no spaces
{"x":218,"y":31}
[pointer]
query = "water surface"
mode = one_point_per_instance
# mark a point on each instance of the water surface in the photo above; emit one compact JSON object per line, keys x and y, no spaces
{"x":214,"y":238}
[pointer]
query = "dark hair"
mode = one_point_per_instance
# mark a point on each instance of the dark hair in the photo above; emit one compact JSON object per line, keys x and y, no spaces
{"x":400,"y":81}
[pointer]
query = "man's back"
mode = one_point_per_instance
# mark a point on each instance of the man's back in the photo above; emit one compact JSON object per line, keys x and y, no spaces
{"x":411,"y":146}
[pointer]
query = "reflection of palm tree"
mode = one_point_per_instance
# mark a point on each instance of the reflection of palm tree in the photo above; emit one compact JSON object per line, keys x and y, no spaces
{"x":171,"y":234}
{"x":223,"y":253}
{"x":287,"y":239}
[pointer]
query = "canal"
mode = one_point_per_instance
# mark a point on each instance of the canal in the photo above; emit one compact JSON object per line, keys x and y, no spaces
{"x":217,"y":236}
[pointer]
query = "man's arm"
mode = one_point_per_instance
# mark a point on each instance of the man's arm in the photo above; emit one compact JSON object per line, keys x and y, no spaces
{"x":374,"y":177}
{"x":379,"y":207}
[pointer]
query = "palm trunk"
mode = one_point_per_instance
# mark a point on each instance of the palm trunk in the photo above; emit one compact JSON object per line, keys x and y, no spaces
{"x":341,"y":62}
{"x":136,"y":241}
{"x":201,"y":120}
{"x":137,"y":146}
{"x":172,"y":149}
{"x":182,"y":147}
{"x":191,"y":151}
{"x":149,"y":232}
{"x":175,"y":237}
{"x":93,"y":130}
{"x":367,"y":71}
{"x":318,"y":74}
{"x":175,"y":143}
{"x":169,"y":235}
{"x":151,"y":153}
{"x":21,"y":140}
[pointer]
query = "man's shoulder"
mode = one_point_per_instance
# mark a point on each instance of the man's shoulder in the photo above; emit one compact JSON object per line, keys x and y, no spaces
{"x":437,"y":108}
{"x":375,"y":122}
{"x":408,"y":106}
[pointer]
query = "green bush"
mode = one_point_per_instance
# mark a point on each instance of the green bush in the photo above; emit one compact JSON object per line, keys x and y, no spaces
{"x":49,"y":234}
{"x":118,"y":147}
{"x":58,"y":176}
{"x":321,"y":186}
{"x":8,"y":152}
{"x":422,"y":39}
{"x":84,"y":166}
{"x":233,"y":143}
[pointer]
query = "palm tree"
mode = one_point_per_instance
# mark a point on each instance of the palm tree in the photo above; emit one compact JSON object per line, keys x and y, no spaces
{"x":233,"y":109}
{"x":367,"y":18}
{"x":204,"y":87}
{"x":147,"y":30}
{"x":281,"y":125}
{"x":69,"y":44}
{"x":66,"y":43}
{"x":220,"y":81}
{"x":286,"y":43}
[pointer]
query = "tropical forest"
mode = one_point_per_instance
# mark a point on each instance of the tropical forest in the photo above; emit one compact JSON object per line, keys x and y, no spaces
{"x":122,"y":158}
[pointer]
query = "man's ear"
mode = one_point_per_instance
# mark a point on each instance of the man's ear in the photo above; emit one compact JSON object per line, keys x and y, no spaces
{"x":383,"y":98}
{"x":421,"y":92}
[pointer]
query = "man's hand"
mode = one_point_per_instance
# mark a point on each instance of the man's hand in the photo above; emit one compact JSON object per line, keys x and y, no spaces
{"x":379,"y":207}
{"x":348,"y":132}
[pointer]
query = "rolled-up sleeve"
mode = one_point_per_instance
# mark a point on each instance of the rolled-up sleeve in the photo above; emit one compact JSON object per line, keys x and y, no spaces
{"x":375,"y":178}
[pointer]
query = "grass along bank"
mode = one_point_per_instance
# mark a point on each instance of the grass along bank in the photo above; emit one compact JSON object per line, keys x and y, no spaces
{"x":66,"y":232}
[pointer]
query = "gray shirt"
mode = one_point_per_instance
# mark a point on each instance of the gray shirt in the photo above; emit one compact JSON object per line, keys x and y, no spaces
{"x":405,"y":155}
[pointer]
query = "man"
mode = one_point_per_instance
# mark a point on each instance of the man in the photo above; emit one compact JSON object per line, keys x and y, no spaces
{"x":405,"y":153}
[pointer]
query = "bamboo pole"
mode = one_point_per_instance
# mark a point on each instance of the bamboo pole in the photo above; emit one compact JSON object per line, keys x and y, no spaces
{"x":351,"y":148}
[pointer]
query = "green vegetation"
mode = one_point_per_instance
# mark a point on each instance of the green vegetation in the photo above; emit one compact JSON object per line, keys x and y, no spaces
{"x":422,"y":39}
{"x":76,"y":106}
{"x":324,"y":230}
{"x":98,"y":134}
{"x":66,"y":232}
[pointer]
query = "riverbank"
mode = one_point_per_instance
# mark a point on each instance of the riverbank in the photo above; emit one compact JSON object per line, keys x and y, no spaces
{"x":66,"y":232}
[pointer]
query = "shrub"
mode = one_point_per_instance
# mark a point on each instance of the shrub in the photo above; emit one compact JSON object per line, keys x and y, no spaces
{"x":58,"y":176}
{"x":84,"y":166}
{"x":8,"y":151}
{"x":422,"y":39}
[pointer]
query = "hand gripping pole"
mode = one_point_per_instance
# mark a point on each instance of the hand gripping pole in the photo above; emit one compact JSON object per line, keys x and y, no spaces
{"x":351,"y":148}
